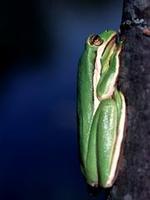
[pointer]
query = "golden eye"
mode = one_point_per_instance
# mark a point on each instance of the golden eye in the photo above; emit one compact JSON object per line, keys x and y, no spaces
{"x":95,"y":40}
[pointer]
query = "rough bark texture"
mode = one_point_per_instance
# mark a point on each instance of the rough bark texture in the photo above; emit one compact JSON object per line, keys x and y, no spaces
{"x":133,"y":182}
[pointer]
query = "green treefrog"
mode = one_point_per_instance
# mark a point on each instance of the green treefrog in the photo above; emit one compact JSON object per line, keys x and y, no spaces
{"x":101,"y":109}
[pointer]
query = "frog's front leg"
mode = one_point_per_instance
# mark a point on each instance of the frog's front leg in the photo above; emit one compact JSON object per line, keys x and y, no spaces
{"x":106,"y":84}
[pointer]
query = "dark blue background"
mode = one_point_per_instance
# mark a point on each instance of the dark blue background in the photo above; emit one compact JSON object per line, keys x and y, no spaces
{"x":40,"y":44}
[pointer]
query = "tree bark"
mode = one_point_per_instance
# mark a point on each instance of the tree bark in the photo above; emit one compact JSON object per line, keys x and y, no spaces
{"x":133,"y":182}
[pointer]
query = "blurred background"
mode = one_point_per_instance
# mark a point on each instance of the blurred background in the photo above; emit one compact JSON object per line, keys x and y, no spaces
{"x":40,"y":44}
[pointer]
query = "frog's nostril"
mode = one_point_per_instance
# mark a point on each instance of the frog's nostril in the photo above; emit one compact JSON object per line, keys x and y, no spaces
{"x":95,"y":40}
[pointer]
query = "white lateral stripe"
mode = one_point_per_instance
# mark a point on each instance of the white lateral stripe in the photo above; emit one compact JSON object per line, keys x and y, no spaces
{"x":96,"y":76}
{"x":97,"y":70}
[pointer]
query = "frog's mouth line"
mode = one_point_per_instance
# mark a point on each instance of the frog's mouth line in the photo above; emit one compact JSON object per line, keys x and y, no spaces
{"x":98,"y":67}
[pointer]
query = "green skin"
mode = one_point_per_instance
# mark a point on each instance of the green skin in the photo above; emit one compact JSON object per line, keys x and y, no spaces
{"x":98,"y":130}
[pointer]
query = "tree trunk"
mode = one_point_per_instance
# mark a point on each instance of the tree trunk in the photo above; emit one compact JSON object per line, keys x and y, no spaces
{"x":133,"y":182}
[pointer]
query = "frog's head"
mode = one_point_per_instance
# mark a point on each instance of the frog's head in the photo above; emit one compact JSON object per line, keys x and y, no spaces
{"x":102,"y":39}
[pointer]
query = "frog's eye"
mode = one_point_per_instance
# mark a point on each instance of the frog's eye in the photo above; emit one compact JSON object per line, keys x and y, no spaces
{"x":95,"y":40}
